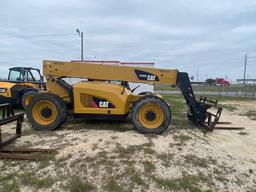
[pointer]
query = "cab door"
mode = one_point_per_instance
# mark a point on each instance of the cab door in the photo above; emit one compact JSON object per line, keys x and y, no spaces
{"x":16,"y":75}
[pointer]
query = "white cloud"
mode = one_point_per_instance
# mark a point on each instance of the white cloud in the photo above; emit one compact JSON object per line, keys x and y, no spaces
{"x":205,"y":35}
{"x":245,"y":29}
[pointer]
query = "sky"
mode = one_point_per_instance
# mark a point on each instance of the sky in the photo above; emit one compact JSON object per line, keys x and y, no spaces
{"x":205,"y":37}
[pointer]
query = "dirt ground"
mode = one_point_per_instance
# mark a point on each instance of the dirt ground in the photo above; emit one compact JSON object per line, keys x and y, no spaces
{"x":100,"y":156}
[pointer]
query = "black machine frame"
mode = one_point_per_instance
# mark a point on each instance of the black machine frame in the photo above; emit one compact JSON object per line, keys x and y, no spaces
{"x":198,"y":113}
{"x":8,"y":116}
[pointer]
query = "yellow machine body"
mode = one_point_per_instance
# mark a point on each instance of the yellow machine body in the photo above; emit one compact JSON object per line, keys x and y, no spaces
{"x":11,"y":92}
{"x":6,"y":89}
{"x":117,"y":96}
{"x":12,"y":89}
{"x":7,"y":86}
{"x":101,"y":98}
{"x":97,"y":96}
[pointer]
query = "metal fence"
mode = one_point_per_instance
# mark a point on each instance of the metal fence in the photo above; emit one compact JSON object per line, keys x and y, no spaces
{"x":239,"y":91}
{"x":246,"y":91}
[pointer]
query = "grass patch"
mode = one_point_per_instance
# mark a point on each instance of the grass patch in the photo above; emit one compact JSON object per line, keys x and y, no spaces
{"x":76,"y":184}
{"x":186,"y":182}
{"x":11,"y":186}
{"x":177,"y":105}
{"x":30,"y":179}
{"x":4,"y":178}
{"x":64,"y":158}
{"x":131,"y":172}
{"x":107,"y":164}
{"x":179,"y":111}
{"x":8,"y":183}
{"x":112,"y":186}
{"x":251,"y":114}
{"x":149,"y":167}
{"x":166,"y":159}
{"x":229,"y":107}
{"x":95,"y":146}
{"x":221,"y":178}
{"x":131,"y":150}
{"x":136,"y":178}
{"x":166,"y":183}
{"x":44,"y":164}
{"x":182,"y":137}
{"x":196,"y":161}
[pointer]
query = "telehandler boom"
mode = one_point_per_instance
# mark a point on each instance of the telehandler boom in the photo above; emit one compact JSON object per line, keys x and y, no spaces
{"x":99,"y":97}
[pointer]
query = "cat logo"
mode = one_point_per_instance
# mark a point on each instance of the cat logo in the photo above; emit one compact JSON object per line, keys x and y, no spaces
{"x":151,"y":77}
{"x":146,"y":76}
{"x":103,"y":104}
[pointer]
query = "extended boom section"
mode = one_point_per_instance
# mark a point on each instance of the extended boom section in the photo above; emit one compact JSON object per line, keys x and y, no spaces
{"x":60,"y":69}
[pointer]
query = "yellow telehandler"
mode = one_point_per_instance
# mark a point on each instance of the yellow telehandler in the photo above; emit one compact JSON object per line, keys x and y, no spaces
{"x":97,"y":97}
{"x":21,"y":85}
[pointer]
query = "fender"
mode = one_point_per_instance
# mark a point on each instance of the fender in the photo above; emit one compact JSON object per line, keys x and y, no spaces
{"x":18,"y":90}
{"x":29,"y":89}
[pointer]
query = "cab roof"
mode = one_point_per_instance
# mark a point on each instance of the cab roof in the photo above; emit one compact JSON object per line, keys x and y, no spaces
{"x":22,"y":68}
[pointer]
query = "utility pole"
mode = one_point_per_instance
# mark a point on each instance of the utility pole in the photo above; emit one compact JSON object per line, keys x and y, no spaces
{"x":245,"y":65}
{"x":81,"y":35}
{"x":197,"y":74}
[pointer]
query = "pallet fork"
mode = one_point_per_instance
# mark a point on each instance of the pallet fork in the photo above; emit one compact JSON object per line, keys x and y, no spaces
{"x":8,"y":116}
{"x":198,"y":111}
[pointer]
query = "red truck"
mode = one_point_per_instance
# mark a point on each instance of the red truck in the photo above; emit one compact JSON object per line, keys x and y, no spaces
{"x":222,"y":81}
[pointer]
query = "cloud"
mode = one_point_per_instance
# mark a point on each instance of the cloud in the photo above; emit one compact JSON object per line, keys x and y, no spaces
{"x":206,"y":36}
{"x":245,"y":29}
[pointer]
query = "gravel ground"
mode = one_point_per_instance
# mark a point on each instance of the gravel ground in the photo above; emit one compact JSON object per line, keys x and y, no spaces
{"x":100,"y":156}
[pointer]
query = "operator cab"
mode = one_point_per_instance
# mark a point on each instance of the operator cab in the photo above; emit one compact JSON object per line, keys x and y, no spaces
{"x":25,"y":74}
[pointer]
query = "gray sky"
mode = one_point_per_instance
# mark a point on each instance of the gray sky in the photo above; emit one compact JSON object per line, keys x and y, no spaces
{"x":209,"y":36}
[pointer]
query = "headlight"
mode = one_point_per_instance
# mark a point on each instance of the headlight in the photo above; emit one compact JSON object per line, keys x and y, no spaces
{"x":3,"y":90}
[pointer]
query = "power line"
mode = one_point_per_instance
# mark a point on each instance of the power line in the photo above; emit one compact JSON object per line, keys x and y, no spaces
{"x":41,"y":35}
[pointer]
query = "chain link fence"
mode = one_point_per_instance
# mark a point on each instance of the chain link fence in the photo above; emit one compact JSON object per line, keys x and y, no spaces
{"x":239,"y":91}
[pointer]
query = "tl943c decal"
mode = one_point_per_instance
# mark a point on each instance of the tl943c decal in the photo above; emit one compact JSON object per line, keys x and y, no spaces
{"x":146,"y":76}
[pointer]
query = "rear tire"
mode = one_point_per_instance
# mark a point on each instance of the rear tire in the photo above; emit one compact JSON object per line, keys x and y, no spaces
{"x":26,"y":97}
{"x":151,"y":114}
{"x":64,"y":108}
{"x":46,"y":111}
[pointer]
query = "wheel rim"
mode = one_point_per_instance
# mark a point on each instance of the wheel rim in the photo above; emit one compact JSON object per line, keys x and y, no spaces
{"x":44,"y":112}
{"x":151,"y":116}
{"x":27,"y":100}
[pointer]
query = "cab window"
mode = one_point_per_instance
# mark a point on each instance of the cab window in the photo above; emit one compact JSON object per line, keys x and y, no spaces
{"x":15,"y":76}
{"x":35,"y":75}
{"x":29,"y":77}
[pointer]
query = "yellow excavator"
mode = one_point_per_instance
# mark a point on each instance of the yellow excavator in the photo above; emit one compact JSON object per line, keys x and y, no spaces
{"x":98,"y":97}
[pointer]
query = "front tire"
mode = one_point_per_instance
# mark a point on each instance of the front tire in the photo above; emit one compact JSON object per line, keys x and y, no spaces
{"x":46,"y":111}
{"x":26,"y":97}
{"x":151,"y":114}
